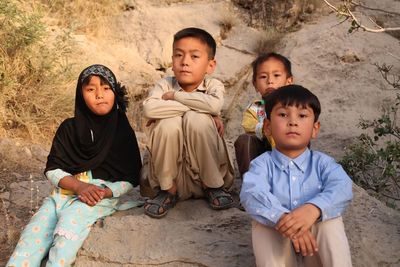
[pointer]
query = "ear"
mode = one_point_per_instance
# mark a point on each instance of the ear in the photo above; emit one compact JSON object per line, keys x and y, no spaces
{"x":316,"y":128}
{"x":212,"y":64}
{"x":289,"y":80}
{"x":267,"y":127}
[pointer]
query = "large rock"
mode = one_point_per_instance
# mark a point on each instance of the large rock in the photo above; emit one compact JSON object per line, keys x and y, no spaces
{"x":190,"y":235}
{"x":194,"y":235}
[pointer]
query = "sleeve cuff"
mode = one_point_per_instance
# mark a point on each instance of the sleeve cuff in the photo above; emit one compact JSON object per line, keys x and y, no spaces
{"x":118,"y":188}
{"x":54,"y":176}
{"x":326,"y":211}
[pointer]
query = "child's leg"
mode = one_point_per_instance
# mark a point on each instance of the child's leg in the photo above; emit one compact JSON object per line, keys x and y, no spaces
{"x":206,"y":149}
{"x":247,"y":148}
{"x":270,"y":248}
{"x":73,"y":228}
{"x":166,"y":147}
{"x":36,"y":238}
{"x":333,"y":248}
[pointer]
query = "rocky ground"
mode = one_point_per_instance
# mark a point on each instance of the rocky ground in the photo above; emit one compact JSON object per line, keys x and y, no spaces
{"x":336,"y":66}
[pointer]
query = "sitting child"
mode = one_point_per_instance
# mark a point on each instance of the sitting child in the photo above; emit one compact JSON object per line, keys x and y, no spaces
{"x":94,"y":159}
{"x":270,"y":71}
{"x":296,"y":196}
{"x":188,"y":157}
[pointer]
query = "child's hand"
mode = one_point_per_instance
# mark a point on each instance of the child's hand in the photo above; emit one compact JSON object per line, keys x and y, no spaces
{"x":298,"y":221}
{"x":305,"y":244}
{"x":90,"y":194}
{"x":219,"y":124}
{"x":168,"y":95}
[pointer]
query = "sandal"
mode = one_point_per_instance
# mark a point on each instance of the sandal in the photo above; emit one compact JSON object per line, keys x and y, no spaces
{"x":224,"y":199}
{"x":164,"y":200}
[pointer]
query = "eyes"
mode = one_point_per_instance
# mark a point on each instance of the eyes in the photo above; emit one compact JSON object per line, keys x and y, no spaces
{"x":303,"y":114}
{"x":274,"y":75}
{"x":179,"y":55}
{"x":91,"y":88}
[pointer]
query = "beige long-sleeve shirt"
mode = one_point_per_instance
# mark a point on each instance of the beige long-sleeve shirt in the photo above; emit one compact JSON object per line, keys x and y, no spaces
{"x":207,"y":98}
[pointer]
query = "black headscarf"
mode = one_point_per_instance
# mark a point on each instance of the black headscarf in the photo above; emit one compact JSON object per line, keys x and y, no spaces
{"x":106,"y":145}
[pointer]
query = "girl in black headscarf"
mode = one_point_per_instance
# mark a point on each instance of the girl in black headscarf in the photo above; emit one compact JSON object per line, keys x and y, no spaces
{"x":94,"y":159}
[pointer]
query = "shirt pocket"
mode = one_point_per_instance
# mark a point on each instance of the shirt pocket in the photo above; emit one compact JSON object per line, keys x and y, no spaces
{"x":310,"y":189}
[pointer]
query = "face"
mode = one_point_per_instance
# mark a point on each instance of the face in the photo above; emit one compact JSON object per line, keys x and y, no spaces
{"x":271,"y":74}
{"x":292,"y":128}
{"x":190,"y":62}
{"x":98,"y":97}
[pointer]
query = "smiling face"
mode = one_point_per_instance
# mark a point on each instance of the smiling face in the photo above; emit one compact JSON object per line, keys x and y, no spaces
{"x":271,"y":74}
{"x":98,"y":96}
{"x":292,"y":128}
{"x":190,"y":62}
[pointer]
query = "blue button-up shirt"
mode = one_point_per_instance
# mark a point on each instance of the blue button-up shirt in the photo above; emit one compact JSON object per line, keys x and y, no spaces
{"x":276,"y":184}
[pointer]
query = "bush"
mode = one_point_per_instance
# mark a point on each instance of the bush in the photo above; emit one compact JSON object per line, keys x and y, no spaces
{"x":34,"y":75}
{"x":374,"y":160}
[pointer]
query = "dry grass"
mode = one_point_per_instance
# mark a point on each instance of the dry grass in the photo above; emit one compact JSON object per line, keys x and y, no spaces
{"x":89,"y":17}
{"x":34,"y":75}
{"x":268,"y":41}
{"x":226,"y":22}
{"x":36,"y":80}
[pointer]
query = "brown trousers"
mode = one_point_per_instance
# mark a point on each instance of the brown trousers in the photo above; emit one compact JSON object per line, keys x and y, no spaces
{"x":188,"y":151}
{"x":247,"y":148}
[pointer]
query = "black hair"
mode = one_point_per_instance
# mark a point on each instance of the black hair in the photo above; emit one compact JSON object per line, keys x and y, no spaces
{"x":120,"y":91}
{"x":201,"y":35}
{"x":292,"y":95}
{"x":264,"y":57}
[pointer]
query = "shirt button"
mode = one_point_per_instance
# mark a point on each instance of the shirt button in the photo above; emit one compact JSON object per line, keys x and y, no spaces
{"x":291,"y":163}
{"x":272,"y":215}
{"x":295,"y":202}
{"x":294,"y":178}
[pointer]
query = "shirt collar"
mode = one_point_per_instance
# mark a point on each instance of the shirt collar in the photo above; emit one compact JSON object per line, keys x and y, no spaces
{"x":177,"y":87}
{"x":283,"y":162}
{"x":259,"y":101}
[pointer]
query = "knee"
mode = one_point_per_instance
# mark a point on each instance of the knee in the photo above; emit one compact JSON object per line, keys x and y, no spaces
{"x":196,"y":122}
{"x":169,"y":127}
{"x":245,"y":140}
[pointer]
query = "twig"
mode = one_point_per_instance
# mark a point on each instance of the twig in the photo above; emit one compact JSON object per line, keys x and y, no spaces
{"x":348,"y":14}
{"x":396,"y":57}
{"x":389,"y":196}
{"x":374,"y":9}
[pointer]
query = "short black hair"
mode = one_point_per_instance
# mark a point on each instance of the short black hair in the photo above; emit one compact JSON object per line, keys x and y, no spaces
{"x":265,"y":56}
{"x":201,"y":35}
{"x":292,"y":95}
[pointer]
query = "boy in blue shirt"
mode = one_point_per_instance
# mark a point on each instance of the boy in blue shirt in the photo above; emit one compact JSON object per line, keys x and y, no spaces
{"x":296,"y":196}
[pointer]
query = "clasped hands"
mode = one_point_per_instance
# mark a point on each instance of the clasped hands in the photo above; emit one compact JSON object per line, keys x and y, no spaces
{"x":296,"y":226}
{"x":92,"y":194}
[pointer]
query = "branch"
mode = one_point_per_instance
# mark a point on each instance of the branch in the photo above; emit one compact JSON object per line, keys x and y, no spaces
{"x":389,"y":196}
{"x":375,"y":9}
{"x":356,"y":23}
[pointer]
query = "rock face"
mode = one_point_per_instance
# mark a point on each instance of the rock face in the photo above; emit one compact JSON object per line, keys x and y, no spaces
{"x":191,"y":235}
{"x":194,"y":235}
{"x":281,"y":14}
